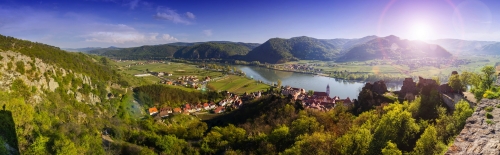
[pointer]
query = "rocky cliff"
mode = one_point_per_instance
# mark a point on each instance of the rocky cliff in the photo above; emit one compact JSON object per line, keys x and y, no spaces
{"x":40,"y":76}
{"x":481,"y":134}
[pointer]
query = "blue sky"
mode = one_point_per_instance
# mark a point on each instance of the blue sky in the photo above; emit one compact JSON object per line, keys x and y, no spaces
{"x":128,"y":23}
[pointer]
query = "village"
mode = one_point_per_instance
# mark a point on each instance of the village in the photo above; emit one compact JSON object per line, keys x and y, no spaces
{"x":318,"y":101}
{"x":232,"y":101}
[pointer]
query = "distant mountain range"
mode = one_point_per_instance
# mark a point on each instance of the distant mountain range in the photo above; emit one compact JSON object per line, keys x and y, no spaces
{"x":279,"y":50}
{"x":457,"y":46}
{"x":392,"y":47}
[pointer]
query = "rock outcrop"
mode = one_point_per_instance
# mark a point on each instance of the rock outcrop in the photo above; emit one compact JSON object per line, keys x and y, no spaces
{"x":379,"y":87}
{"x":408,"y":90}
{"x":371,"y":95}
{"x":481,"y":135}
{"x":42,"y":76}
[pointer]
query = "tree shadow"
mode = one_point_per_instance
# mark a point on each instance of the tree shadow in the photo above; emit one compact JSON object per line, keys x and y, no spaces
{"x":8,"y":131}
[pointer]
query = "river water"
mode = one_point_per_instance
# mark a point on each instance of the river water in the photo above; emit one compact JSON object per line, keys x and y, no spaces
{"x":338,"y":87}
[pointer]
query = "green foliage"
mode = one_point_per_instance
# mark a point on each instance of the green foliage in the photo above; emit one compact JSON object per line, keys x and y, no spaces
{"x":318,"y":143}
{"x":38,"y":146}
{"x":448,"y":126}
{"x":490,"y":94}
{"x":305,"y":125}
{"x":173,"y":97}
{"x":489,"y":115}
{"x":391,"y":149}
{"x":396,"y":125}
{"x":356,"y":141}
{"x":429,"y":143}
{"x":170,"y":144}
{"x":221,"y":137}
{"x":489,"y":109}
{"x":64,"y":146}
{"x":20,"y":67}
{"x":455,"y":83}
{"x":490,"y":122}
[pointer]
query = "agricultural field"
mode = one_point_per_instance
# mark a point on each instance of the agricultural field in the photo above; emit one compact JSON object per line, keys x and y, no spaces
{"x":231,"y":83}
{"x":237,"y":84}
{"x":390,"y":68}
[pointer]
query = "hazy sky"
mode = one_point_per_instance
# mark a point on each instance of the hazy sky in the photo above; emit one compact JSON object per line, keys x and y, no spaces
{"x":126,"y":23}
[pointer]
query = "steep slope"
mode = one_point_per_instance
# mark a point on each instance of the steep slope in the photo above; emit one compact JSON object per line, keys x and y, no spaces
{"x":58,"y":101}
{"x":480,"y":134}
{"x":277,"y":50}
{"x":197,"y":50}
{"x":392,"y":47}
{"x":143,"y":52}
{"x":212,"y":50}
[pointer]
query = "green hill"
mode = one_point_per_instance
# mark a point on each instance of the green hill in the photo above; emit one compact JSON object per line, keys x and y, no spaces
{"x":392,"y":47}
{"x":212,"y":50}
{"x":277,"y":50}
{"x":59,"y":101}
{"x":197,"y":50}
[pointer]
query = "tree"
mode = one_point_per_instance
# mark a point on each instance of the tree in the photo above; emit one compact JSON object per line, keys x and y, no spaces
{"x":391,"y":149}
{"x":396,"y":125}
{"x":455,"y":83}
{"x":38,"y":146}
{"x":488,"y":72}
{"x":310,"y":92}
{"x":64,"y":146}
{"x":317,"y":143}
{"x":305,"y":125}
{"x":429,"y":143}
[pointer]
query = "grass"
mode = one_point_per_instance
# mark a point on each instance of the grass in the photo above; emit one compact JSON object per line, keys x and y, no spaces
{"x":489,"y":122}
{"x":237,"y":84}
{"x":488,"y":109}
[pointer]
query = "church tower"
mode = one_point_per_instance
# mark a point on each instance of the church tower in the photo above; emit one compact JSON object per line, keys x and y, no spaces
{"x":328,"y":89}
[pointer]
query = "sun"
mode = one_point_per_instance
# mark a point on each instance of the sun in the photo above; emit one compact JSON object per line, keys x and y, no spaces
{"x":420,"y":31}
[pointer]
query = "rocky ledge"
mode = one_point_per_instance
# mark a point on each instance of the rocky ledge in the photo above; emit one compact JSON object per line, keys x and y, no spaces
{"x":481,"y":133}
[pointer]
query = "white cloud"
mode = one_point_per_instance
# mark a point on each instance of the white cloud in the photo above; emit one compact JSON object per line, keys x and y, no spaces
{"x":207,"y":33}
{"x":190,"y":15}
{"x":172,"y":15}
{"x":123,"y":34}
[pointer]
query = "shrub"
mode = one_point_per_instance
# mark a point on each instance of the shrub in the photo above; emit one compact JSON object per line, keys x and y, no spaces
{"x":489,"y":116}
{"x":488,"y":109}
{"x":490,"y":122}
{"x":498,"y":106}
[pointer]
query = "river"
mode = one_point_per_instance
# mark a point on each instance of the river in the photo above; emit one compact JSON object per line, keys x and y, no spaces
{"x":338,"y":87}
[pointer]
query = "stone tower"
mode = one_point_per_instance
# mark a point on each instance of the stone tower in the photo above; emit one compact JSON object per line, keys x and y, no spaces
{"x":328,"y":89}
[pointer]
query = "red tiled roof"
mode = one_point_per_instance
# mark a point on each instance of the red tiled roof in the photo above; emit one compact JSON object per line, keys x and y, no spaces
{"x":177,"y":110}
{"x":320,"y":94}
{"x":153,"y":110}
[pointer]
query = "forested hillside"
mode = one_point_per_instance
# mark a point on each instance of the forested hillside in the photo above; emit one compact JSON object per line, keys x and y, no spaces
{"x":392,"y":47}
{"x":199,"y":50}
{"x":56,"y":102}
{"x":279,"y":50}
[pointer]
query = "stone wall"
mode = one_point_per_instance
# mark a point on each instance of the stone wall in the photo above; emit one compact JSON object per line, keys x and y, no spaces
{"x":409,"y":88}
{"x":479,"y":136}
